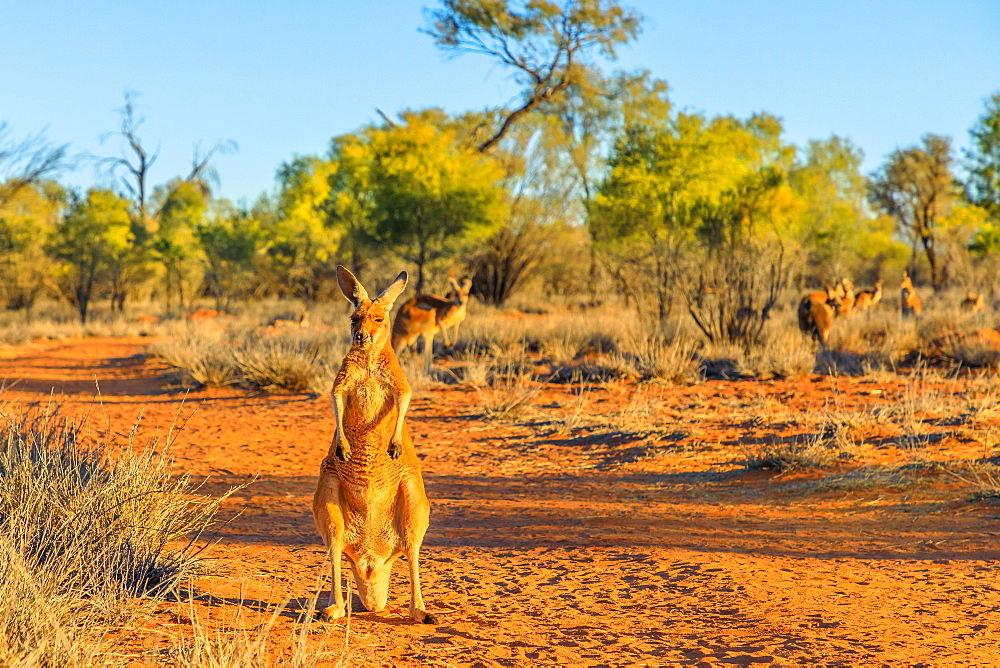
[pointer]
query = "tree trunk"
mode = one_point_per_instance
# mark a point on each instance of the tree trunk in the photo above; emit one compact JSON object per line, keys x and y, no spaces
{"x":421,"y":261}
{"x":83,"y":291}
{"x":931,"y":253}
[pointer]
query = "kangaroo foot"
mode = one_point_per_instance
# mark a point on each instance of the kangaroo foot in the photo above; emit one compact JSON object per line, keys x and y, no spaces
{"x":423,"y":617}
{"x":333,"y":612}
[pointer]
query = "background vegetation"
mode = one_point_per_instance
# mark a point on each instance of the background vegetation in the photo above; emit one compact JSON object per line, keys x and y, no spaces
{"x":591,"y":186}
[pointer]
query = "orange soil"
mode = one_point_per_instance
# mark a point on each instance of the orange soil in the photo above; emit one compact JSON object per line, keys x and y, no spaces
{"x":582,"y":548}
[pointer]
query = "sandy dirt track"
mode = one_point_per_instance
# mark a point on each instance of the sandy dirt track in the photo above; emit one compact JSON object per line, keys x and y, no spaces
{"x":579,"y":548}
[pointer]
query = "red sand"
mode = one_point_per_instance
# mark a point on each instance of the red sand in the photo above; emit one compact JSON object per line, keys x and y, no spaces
{"x":577,"y":549}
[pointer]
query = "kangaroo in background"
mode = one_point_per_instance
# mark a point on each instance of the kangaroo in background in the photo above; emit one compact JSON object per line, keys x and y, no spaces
{"x":817,"y":311}
{"x":370,"y":503}
{"x":909,"y":301}
{"x":424,"y":316}
{"x":845,"y":292}
{"x":866,"y":300}
{"x":973,"y":303}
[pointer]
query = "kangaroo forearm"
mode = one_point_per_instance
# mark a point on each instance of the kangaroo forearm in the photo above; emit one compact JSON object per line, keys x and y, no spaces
{"x":338,"y":412}
{"x":404,"y":405}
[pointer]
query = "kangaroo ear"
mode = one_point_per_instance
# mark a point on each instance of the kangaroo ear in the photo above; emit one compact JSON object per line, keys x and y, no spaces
{"x":466,"y":285}
{"x":351,"y":286}
{"x":389,"y":295}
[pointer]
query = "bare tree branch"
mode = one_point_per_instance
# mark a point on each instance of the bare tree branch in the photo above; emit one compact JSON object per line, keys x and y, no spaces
{"x":545,"y":44}
{"x":26,"y":162}
{"x":388,"y":121}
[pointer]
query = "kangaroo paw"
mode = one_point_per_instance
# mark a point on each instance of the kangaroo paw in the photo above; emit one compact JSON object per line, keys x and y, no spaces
{"x":343,"y":452}
{"x":395,"y":449}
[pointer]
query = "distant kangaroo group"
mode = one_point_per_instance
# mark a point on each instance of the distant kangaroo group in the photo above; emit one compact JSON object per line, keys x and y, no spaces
{"x":818,"y":310}
{"x":370,"y":504}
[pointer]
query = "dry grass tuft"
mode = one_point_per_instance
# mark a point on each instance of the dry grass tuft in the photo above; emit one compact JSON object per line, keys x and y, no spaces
{"x":509,"y":395}
{"x":245,"y":644}
{"x":879,"y":476}
{"x":293,"y":360}
{"x":655,"y":357}
{"x":83,"y":536}
{"x":834,"y":444}
{"x":202,"y":360}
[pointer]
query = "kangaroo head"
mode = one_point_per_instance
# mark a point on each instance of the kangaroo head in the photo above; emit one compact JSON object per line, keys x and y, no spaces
{"x":906,"y":283}
{"x":371,"y":576}
{"x":460,"y":292}
{"x":370,"y":320}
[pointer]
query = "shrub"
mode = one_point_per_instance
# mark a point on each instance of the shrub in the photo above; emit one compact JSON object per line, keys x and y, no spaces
{"x":82,"y":535}
{"x":976,"y":350}
{"x":203,"y":360}
{"x":288,"y":362}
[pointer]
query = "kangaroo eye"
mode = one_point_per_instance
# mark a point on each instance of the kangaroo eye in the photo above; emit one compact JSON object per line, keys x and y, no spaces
{"x":379,"y":319}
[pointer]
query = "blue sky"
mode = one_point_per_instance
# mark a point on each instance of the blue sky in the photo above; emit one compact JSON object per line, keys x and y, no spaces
{"x":283,"y":78}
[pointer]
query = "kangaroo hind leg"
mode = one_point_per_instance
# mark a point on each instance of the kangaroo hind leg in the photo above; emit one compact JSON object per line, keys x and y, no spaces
{"x":330,"y":522}
{"x":414,"y":513}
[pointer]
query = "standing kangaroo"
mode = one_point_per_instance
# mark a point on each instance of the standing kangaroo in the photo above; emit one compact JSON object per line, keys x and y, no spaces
{"x":845,"y":291}
{"x":370,"y":503}
{"x":909,"y":302}
{"x":424,"y":316}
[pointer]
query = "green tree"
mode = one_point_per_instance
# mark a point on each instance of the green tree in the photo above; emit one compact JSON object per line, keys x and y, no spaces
{"x":833,"y":222}
{"x":96,"y":232}
{"x":182,"y":206}
{"x":542,"y":190}
{"x":917,"y":188}
{"x":232,"y":240}
{"x":639,"y":217}
{"x":958,"y":237}
{"x":552,"y":159}
{"x":430,"y":196}
{"x":983,"y":159}
{"x":548,"y":45}
{"x":302,"y":242}
{"x":682,"y":200}
{"x":28,"y":219}
{"x":349,"y":207}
